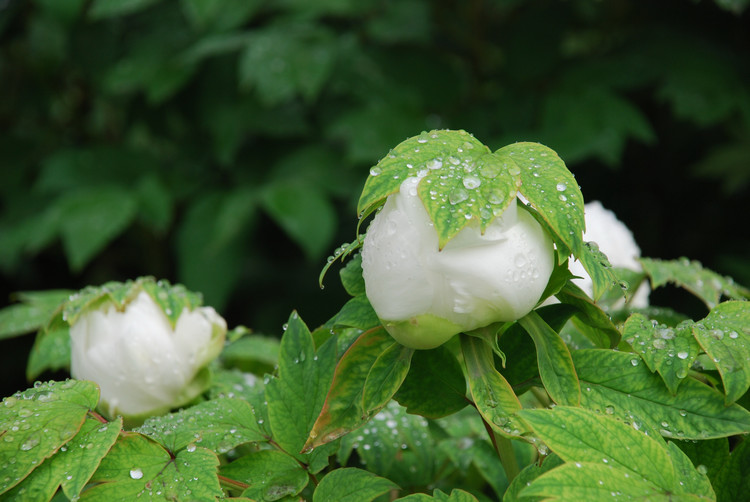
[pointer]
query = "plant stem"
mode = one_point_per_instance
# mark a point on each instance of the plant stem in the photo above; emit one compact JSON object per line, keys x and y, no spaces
{"x":504,"y":448}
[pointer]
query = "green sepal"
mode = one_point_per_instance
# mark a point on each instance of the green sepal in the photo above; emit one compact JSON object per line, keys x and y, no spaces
{"x":461,"y":180}
{"x":552,"y":191}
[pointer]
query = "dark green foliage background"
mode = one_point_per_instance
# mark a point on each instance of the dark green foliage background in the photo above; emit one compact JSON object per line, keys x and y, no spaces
{"x":224,"y":143}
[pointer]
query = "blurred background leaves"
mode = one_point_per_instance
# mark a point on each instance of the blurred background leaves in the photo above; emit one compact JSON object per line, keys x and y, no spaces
{"x":224,"y":143}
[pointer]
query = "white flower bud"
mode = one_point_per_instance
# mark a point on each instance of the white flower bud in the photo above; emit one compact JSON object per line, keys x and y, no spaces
{"x":142,"y":366}
{"x":616,"y":241}
{"x":424,"y":296}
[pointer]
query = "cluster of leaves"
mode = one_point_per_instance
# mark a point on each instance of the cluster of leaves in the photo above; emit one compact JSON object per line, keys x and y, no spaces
{"x":180,"y":127}
{"x":564,"y":403}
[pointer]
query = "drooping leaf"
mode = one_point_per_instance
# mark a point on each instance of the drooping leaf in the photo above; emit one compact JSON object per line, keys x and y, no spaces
{"x":297,"y":395}
{"x":707,"y":285}
{"x":725,"y":336}
{"x":620,"y":384}
{"x":670,"y":351}
{"x":35,"y":423}
{"x":554,"y":361}
{"x":491,"y":393}
{"x":137,"y":467}
{"x":352,"y":485}
{"x":219,"y":425}
{"x":552,"y":190}
{"x":435,"y":385}
{"x":461,"y":180}
{"x":343,"y":410}
{"x":271,"y":475}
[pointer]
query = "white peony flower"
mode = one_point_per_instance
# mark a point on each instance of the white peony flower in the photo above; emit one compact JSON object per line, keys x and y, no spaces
{"x":424,"y":296}
{"x":617,"y":242}
{"x":143,"y":366}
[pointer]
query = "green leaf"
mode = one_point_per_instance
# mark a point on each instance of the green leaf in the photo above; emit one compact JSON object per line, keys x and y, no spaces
{"x":670,"y":351}
{"x":350,"y":484}
{"x":385,"y":377}
{"x":296,"y":396}
{"x":91,"y":218}
{"x":396,"y":445}
{"x":195,"y":250}
{"x":357,"y":313}
{"x":351,"y":276}
{"x":435,"y":386}
{"x":732,"y":482}
{"x":219,"y":425}
{"x":102,"y":9}
{"x":526,"y":476}
{"x":271,"y":475}
{"x":707,"y":456}
{"x":34,"y":312}
{"x":707,"y":285}
{"x":580,"y":435}
{"x":692,"y":480}
{"x":252,"y":351}
{"x":137,"y":467}
{"x":461,"y":180}
{"x":554,"y":361}
{"x":219,"y":15}
{"x":552,"y":190}
{"x":725,"y":336}
{"x":605,"y":456}
{"x":619,"y":384}
{"x":304,"y":213}
{"x":284,"y":60}
{"x":35,"y":423}
{"x":51,"y":351}
{"x":72,"y":465}
{"x":491,"y":393}
{"x":603,"y":276}
{"x":455,"y":496}
{"x":343,"y":410}
{"x":604,"y":334}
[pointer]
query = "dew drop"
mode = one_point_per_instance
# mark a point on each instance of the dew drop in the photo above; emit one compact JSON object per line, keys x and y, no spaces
{"x":682,"y":354}
{"x":29,"y":444}
{"x":471,"y":182}
{"x":136,"y":473}
{"x":457,"y":196}
{"x":561,"y":187}
{"x":375,"y":171}
{"x":434,"y":164}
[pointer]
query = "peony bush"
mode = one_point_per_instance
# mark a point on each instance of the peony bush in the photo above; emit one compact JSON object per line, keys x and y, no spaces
{"x":498,"y":344}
